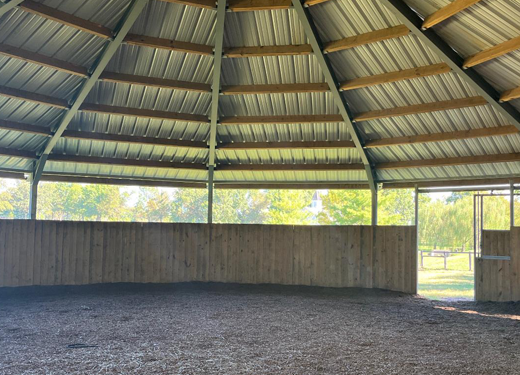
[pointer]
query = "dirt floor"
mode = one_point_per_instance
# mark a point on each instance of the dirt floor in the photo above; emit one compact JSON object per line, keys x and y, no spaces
{"x":230,"y":329}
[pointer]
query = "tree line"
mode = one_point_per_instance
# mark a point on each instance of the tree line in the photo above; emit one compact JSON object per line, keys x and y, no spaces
{"x":445,"y":222}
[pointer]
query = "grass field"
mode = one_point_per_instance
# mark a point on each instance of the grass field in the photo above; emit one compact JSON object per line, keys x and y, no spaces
{"x":454,"y":283}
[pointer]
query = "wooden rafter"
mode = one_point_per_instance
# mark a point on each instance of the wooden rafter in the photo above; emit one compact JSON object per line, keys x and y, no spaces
{"x":33,"y":97}
{"x":463,"y":160}
{"x":287,"y":145}
{"x":493,"y":52}
{"x":172,"y":45}
{"x":288,"y":119}
{"x":367,"y":38}
{"x":144,"y":113}
{"x":401,"y":75}
{"x":290,"y":167}
{"x":121,"y":138}
{"x":17,"y":153}
{"x":244,"y":5}
{"x":439,"y":137}
{"x":510,"y":95}
{"x":206,"y":4}
{"x":298,"y":49}
{"x":24,"y":128}
{"x":66,"y":18}
{"x":446,"y":12}
{"x":294,"y":186}
{"x":451,"y":183}
{"x":421,"y":108}
{"x":126,"y":162}
{"x":275,"y":89}
{"x":155,"y":82}
{"x":121,"y":181}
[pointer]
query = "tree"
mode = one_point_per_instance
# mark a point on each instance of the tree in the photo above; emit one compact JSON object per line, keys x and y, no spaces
{"x":289,"y":207}
{"x":240,"y":206}
{"x":346,"y":207}
{"x":396,"y":207}
{"x":190,"y":206}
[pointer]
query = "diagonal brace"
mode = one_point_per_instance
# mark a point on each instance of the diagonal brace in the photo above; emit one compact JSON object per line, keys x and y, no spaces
{"x":330,"y":77}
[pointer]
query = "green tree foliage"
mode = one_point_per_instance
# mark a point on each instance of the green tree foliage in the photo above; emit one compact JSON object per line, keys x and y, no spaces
{"x":289,"y":207}
{"x":346,"y":207}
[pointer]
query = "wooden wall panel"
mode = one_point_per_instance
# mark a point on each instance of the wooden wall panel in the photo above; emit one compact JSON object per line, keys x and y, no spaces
{"x":75,"y":253}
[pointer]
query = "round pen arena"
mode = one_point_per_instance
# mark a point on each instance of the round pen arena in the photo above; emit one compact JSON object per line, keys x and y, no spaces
{"x":269,"y":95}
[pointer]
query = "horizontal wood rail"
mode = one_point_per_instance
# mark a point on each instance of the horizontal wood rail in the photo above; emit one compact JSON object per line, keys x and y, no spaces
{"x":120,"y":138}
{"x":401,"y":75}
{"x":126,"y":162}
{"x":286,"y":145}
{"x":290,"y":167}
{"x":493,"y":52}
{"x":421,"y":108}
{"x":462,"y":160}
{"x":289,"y":119}
{"x":439,"y":137}
{"x":446,"y":12}
{"x":122,"y":181}
{"x":171,"y":45}
{"x":144,"y":113}
{"x":292,"y":186}
{"x":451,"y":183}
{"x":155,"y":82}
{"x":4,"y":151}
{"x":262,"y":51}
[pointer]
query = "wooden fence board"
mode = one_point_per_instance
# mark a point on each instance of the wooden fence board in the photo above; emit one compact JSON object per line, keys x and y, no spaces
{"x":68,"y":253}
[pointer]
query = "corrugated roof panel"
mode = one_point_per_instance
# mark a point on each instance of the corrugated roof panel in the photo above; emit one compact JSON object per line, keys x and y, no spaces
{"x":411,"y":92}
{"x":21,"y":141}
{"x":8,"y":163}
{"x":278,"y":104}
{"x":497,"y":170}
{"x":479,"y":27}
{"x":503,"y":72}
{"x":160,"y":63}
{"x":289,"y":156}
{"x":124,"y":171}
{"x":343,"y":18}
{"x":271,"y":70}
{"x":20,"y":75}
{"x":288,"y":176}
{"x":138,"y":96}
{"x":283,"y":132}
{"x":130,"y":151}
{"x":34,"y":33}
{"x":265,"y":28}
{"x":26,"y":112}
{"x":382,"y":57}
{"x":106,"y":13}
{"x":161,"y":19}
{"x":447,"y":149}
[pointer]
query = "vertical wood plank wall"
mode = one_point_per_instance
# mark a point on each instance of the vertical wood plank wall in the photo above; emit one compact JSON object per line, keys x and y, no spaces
{"x":499,"y":280}
{"x":73,"y":253}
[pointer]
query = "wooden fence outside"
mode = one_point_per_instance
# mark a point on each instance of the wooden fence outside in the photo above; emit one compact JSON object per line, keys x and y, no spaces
{"x":74,"y":253}
{"x":499,"y":279}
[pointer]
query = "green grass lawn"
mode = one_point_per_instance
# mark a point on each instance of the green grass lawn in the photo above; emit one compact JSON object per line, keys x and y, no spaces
{"x":454,"y":283}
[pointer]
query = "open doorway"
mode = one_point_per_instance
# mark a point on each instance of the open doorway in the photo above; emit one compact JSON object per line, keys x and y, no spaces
{"x":450,"y":237}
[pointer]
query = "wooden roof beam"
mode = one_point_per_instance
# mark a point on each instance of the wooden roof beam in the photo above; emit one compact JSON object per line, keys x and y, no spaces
{"x":206,"y":4}
{"x":24,"y":128}
{"x":367,"y":38}
{"x":293,"y":186}
{"x":121,"y":138}
{"x":171,"y":45}
{"x":262,"y":51}
{"x":510,"y":95}
{"x":492,"y":53}
{"x":293,"y":88}
{"x":144,"y":113}
{"x":125,"y":162}
{"x":33,"y":97}
{"x":66,"y":19}
{"x":440,"y":137}
{"x":446,"y":12}
{"x":462,"y":160}
{"x":121,"y":181}
{"x":421,"y":108}
{"x":291,"y":167}
{"x":400,"y":75}
{"x":289,"y":119}
{"x":317,"y":145}
{"x":4,"y":151}
{"x":255,"y":5}
{"x":155,"y":82}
